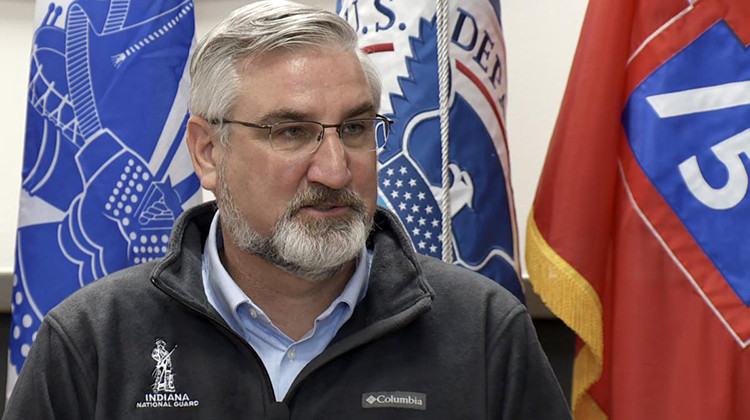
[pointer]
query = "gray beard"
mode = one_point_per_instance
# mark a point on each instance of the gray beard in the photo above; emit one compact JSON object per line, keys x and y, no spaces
{"x":312,"y":249}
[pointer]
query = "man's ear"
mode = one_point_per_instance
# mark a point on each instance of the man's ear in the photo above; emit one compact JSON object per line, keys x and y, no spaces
{"x":201,"y":142}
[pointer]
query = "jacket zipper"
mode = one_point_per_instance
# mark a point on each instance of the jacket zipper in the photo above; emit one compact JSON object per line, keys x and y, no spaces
{"x":269,"y":386}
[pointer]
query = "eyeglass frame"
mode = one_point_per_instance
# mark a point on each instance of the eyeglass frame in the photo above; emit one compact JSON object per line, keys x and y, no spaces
{"x":270,"y":127}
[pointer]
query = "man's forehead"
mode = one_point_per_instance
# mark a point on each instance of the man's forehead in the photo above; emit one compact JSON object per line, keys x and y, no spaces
{"x":297,"y":85}
{"x":258,"y":62}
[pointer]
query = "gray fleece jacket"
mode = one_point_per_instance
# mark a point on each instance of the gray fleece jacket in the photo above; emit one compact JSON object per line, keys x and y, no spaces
{"x":428,"y":341}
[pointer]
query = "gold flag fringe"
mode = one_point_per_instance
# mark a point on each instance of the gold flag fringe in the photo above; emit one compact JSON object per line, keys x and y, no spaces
{"x":572,"y":299}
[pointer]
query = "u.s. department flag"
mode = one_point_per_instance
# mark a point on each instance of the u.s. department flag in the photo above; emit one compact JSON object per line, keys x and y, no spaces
{"x":448,"y":139}
{"x":105,"y":170}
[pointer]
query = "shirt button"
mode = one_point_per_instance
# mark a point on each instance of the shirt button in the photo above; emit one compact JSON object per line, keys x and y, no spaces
{"x":253,"y":313}
{"x":292,"y":354}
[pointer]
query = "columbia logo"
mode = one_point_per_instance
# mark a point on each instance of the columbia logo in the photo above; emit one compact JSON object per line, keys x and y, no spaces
{"x":394,"y":399}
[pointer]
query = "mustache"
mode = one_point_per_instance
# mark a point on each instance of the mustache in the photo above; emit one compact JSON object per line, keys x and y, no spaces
{"x":317,"y":194}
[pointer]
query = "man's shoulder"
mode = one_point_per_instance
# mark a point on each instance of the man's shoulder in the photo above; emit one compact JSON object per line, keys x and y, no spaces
{"x":461,"y":286}
{"x":110,"y":294}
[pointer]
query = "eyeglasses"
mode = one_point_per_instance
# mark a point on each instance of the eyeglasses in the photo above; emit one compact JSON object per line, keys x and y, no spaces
{"x":304,"y":137}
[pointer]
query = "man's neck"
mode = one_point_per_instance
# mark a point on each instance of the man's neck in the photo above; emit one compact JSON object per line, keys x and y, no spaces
{"x":291,"y":303}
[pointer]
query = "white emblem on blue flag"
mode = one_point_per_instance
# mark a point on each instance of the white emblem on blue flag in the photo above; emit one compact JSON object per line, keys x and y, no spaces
{"x":688,"y":126}
{"x":105,"y":170}
{"x":402,"y":41}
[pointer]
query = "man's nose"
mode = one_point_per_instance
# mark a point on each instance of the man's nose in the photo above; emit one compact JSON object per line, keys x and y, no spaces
{"x":330,"y":162}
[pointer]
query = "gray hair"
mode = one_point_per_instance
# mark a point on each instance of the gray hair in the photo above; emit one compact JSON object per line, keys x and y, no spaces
{"x":257,"y":29}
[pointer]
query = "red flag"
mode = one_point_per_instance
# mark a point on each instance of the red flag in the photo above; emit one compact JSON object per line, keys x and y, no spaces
{"x":639,"y":234}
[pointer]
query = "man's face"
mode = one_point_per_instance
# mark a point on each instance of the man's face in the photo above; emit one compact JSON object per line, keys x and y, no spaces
{"x":315,"y":207}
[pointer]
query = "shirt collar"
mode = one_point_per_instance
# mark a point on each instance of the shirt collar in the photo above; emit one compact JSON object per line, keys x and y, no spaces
{"x":226,"y":296}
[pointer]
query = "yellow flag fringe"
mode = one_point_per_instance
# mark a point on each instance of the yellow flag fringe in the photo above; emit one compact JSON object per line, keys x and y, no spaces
{"x":572,"y":299}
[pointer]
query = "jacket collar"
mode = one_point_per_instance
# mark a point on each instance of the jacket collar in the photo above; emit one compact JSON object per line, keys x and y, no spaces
{"x":397,"y":287}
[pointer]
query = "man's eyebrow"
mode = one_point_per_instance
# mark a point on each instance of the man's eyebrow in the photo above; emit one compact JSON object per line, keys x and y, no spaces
{"x":279,"y":115}
{"x":283,"y":114}
{"x":365,"y":108}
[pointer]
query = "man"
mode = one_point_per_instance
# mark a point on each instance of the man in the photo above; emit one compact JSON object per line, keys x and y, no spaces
{"x":297,"y":298}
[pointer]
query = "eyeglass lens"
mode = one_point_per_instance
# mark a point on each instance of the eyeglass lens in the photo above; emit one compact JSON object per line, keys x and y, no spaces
{"x":360,"y":135}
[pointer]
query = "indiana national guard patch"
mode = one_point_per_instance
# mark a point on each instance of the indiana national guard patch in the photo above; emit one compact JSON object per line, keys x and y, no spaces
{"x":164,"y":392}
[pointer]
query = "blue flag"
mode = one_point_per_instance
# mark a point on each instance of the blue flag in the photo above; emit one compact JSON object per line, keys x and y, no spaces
{"x":105,"y":168}
{"x":402,"y":40}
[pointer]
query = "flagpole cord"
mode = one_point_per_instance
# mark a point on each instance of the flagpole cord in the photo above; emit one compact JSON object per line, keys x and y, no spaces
{"x":444,"y":67}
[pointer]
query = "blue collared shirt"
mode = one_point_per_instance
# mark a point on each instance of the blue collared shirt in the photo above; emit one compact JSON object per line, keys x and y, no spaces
{"x":283,"y":357}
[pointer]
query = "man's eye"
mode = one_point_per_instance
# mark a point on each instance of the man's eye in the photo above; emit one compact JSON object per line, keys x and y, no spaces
{"x":353,"y":128}
{"x":291,"y":132}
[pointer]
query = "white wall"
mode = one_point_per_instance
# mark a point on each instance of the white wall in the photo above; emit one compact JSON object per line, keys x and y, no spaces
{"x":540,"y":37}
